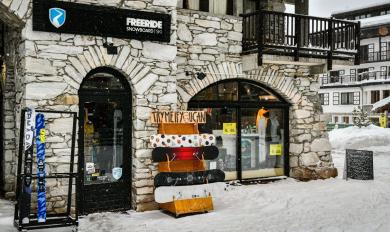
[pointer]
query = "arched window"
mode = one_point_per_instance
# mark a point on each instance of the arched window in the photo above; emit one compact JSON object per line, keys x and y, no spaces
{"x":105,"y":80}
{"x":237,"y":91}
{"x":250,"y":122}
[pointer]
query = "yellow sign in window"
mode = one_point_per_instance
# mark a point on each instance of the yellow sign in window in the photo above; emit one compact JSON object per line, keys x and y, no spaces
{"x":230,"y":128}
{"x":275,"y":149}
{"x":383,"y":120}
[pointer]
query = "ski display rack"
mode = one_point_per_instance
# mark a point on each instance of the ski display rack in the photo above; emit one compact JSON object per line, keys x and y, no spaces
{"x":179,"y":207}
{"x":53,"y":220}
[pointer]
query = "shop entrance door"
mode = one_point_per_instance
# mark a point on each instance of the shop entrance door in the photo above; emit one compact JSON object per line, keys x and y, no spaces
{"x":104,"y":145}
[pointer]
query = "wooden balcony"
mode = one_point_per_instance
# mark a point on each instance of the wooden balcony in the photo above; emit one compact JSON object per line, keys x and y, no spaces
{"x":276,"y":33}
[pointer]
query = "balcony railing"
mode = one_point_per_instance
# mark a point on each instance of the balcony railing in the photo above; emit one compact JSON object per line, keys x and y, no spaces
{"x":276,"y":33}
{"x":355,"y":79}
{"x":375,"y":57}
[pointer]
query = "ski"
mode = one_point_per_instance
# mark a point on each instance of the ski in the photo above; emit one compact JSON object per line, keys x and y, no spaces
{"x":40,"y":142}
{"x":25,"y":202}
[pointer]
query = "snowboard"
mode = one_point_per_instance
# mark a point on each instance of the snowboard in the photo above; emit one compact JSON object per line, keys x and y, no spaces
{"x":161,"y":154}
{"x":40,"y":142}
{"x":188,"y":178}
{"x":189,"y":140}
{"x":25,"y":196}
{"x":166,"y":194}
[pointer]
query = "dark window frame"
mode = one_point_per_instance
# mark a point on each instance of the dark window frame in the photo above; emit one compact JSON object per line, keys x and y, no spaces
{"x":375,"y":96}
{"x":204,"y":6}
{"x":349,"y":98}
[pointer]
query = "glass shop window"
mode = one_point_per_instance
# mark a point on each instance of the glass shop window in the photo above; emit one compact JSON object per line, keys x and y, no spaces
{"x":236,"y":105}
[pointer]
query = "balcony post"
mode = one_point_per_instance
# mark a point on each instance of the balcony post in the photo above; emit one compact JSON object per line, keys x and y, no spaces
{"x":330,"y":43}
{"x":298,"y":37}
{"x":357,"y":39}
{"x":260,"y":36}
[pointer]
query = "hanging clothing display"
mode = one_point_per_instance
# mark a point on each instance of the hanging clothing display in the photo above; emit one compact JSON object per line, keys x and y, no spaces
{"x":261,"y":124}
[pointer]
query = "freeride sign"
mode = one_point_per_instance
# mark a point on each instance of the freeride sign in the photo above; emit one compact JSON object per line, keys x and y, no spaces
{"x":76,"y":18}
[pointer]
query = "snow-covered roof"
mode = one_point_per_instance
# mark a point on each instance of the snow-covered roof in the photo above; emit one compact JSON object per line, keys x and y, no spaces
{"x":361,"y":6}
{"x":375,"y":21}
{"x":381,"y":104}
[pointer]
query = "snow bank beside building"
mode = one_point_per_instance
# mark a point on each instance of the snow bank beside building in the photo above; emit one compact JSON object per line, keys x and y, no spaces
{"x":360,"y":138}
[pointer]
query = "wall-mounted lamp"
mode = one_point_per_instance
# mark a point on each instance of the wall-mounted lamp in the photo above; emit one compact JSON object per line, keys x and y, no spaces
{"x":109,"y":45}
{"x":199,"y":75}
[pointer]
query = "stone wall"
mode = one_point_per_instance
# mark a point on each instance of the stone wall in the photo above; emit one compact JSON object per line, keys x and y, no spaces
{"x":12,"y":39}
{"x":52,"y":69}
{"x":205,"y":40}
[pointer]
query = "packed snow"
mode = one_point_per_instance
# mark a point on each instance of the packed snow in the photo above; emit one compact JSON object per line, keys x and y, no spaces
{"x":359,"y":5}
{"x":287,"y":205}
{"x":375,"y":21}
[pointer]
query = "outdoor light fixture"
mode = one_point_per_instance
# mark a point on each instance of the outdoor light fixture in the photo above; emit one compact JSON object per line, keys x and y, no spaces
{"x":200,"y":75}
{"x":109,"y":45}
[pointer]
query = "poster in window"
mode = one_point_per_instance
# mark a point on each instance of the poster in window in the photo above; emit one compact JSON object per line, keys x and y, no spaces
{"x":230,"y":128}
{"x":275,"y":149}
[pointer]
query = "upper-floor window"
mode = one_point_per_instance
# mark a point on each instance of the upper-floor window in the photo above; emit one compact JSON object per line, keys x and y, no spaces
{"x":324,"y":98}
{"x":347,"y":98}
{"x":386,"y":93}
{"x":335,"y":76}
{"x":375,"y":96}
{"x":213,"y":6}
{"x":363,"y":74}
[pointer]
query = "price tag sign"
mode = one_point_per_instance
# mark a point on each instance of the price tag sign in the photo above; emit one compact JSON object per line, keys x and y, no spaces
{"x":230,"y":128}
{"x":275,"y":149}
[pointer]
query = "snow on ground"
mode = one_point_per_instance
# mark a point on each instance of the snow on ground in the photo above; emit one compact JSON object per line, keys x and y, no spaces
{"x":288,"y":205}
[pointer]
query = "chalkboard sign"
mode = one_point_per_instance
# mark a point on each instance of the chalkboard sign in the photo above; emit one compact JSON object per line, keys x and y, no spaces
{"x":359,"y":164}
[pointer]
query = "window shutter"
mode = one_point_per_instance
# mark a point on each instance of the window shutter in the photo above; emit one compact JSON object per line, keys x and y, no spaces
{"x":336,"y":98}
{"x":326,"y":98}
{"x":356,"y":98}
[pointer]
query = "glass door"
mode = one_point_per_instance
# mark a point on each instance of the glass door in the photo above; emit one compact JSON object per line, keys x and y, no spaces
{"x":222,"y":123}
{"x":105,"y":153}
{"x":103,"y":142}
{"x":262,"y":142}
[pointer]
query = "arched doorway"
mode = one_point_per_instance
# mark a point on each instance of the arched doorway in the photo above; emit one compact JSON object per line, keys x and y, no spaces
{"x":105,"y":141}
{"x":250,"y":122}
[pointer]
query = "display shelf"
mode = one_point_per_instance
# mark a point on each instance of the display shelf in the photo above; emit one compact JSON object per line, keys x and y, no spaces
{"x":188,"y":206}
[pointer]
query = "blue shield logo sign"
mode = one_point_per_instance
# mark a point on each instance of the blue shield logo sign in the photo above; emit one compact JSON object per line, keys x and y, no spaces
{"x":117,"y":173}
{"x":57,"y":16}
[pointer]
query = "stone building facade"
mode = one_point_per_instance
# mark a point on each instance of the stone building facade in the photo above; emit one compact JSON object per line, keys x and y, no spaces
{"x":45,"y":71}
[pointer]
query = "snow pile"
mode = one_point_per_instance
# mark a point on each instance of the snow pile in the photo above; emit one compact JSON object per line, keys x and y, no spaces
{"x":360,"y":5}
{"x":375,"y":21}
{"x":360,"y":138}
{"x":381,"y":103}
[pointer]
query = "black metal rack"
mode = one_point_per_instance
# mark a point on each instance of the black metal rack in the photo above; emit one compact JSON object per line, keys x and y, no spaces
{"x":52,"y":220}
